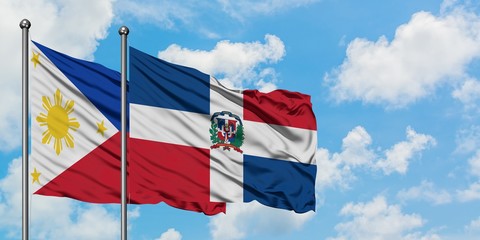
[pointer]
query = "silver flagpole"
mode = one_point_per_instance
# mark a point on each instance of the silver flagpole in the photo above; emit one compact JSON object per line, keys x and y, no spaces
{"x":25,"y":26}
{"x":123,"y":31}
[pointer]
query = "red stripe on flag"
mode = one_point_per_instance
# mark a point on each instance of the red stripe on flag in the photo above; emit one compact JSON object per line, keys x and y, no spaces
{"x":177,"y":175}
{"x":279,"y":107}
{"x":95,"y":178}
{"x":156,"y":173}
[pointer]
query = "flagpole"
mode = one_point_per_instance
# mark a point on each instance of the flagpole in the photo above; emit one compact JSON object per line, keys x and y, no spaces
{"x":25,"y":26}
{"x":123,"y":31}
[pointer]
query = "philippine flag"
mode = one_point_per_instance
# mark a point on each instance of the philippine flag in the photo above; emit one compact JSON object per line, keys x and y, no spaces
{"x":75,"y":122}
{"x":199,"y":141}
{"x":75,"y":112}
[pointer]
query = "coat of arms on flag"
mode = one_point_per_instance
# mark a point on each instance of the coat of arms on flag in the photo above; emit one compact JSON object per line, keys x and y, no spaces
{"x":226,"y":131}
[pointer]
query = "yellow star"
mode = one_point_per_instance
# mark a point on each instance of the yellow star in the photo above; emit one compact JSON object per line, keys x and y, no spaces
{"x":35,"y":59}
{"x":101,"y":128}
{"x":35,"y":176}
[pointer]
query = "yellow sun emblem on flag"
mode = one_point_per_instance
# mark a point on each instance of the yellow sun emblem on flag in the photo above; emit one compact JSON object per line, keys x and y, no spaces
{"x":58,"y":122}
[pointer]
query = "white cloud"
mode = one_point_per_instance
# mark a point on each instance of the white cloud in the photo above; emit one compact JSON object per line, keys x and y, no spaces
{"x":267,"y":80}
{"x":243,"y":68}
{"x":398,"y":157}
{"x":468,"y":140}
{"x":11,"y":195}
{"x":52,"y":217}
{"x":378,"y":220}
{"x":169,"y":14}
{"x":448,"y":5}
{"x":425,"y":191}
{"x":53,"y":22}
{"x":134,"y":213}
{"x":263,"y":86}
{"x":420,"y":236}
{"x":411,"y":66}
{"x":337,"y":168}
{"x":473,"y":226}
{"x":91,"y":222}
{"x":161,"y":12}
{"x":197,"y":15}
{"x":474,"y":163}
{"x":242,"y":9}
{"x":470,"y":194}
{"x":331,"y":171}
{"x":253,"y":218}
{"x":468,"y":94}
{"x":170,"y":234}
{"x":471,"y":231}
{"x":357,"y":152}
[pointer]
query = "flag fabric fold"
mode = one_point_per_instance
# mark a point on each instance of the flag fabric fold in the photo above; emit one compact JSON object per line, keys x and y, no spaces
{"x":198,"y":141}
{"x":75,"y":134}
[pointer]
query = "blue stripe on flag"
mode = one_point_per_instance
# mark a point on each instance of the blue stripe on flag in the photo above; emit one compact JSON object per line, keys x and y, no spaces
{"x":280,"y":184}
{"x":99,"y":84}
{"x":157,"y":83}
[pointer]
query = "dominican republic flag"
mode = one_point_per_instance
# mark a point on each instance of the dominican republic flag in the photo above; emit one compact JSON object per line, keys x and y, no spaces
{"x":198,"y":141}
{"x":75,"y":134}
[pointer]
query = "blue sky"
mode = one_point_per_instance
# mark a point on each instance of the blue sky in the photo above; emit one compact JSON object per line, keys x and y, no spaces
{"x":395,"y":88}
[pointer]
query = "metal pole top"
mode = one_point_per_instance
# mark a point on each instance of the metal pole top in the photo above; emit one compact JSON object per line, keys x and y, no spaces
{"x":26,"y":24}
{"x":122,"y":31}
